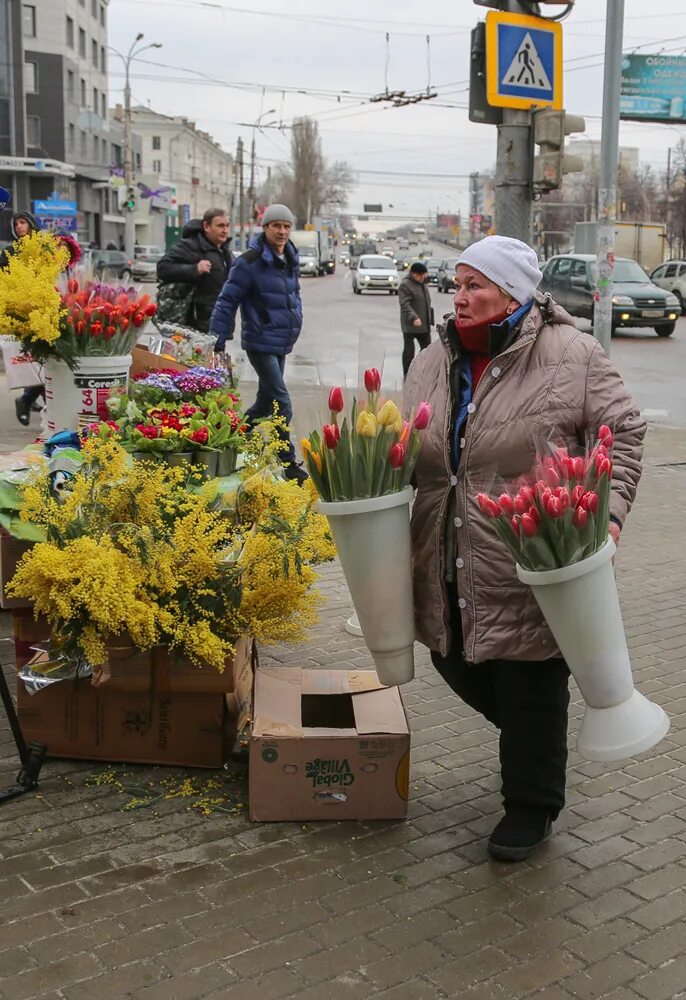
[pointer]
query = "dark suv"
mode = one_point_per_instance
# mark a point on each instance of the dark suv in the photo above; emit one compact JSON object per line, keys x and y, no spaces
{"x":110,"y":264}
{"x":445,"y":276}
{"x":636,"y":301}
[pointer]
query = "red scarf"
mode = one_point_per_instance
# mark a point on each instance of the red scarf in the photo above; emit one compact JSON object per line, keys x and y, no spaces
{"x":475,"y":338}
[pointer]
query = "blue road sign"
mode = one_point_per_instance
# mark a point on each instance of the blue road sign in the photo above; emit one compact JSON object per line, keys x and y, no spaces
{"x":523,"y":61}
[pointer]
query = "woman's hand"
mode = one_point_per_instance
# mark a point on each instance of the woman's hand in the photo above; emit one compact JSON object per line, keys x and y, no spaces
{"x":615,"y":532}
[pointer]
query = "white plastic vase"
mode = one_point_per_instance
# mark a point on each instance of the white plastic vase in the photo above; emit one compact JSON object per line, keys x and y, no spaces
{"x":70,"y":394}
{"x":581,"y":606}
{"x":373,"y":541}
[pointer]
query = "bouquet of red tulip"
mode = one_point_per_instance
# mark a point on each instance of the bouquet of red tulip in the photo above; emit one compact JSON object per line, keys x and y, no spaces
{"x":371,"y":452}
{"x":560,"y":514}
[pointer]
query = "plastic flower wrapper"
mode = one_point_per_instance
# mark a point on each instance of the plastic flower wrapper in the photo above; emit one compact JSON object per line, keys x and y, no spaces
{"x":366,"y":448}
{"x":559,"y":513}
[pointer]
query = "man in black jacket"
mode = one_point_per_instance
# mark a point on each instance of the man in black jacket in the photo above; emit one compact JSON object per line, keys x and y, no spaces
{"x":416,"y":314}
{"x":198,"y":264}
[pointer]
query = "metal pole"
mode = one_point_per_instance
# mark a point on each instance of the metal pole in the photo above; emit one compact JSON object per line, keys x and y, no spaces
{"x":241,"y":197}
{"x":129,"y":224}
{"x":607,"y":188}
{"x":513,"y":193}
{"x":251,"y":204}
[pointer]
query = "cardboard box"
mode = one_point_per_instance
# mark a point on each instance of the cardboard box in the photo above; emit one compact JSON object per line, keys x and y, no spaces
{"x":11,"y":551}
{"x":75,"y":719}
{"x":142,"y":361}
{"x":28,"y":632}
{"x":154,"y":713}
{"x":327,"y":744}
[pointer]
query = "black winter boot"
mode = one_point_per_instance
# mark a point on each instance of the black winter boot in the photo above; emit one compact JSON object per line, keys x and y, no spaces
{"x":521,"y":830}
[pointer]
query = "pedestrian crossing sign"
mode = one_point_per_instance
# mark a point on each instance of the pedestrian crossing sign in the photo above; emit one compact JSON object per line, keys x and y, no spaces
{"x":523,"y":61}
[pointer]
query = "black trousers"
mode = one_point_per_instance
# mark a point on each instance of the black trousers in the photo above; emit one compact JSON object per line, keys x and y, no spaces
{"x":527,"y":700}
{"x":423,"y":339}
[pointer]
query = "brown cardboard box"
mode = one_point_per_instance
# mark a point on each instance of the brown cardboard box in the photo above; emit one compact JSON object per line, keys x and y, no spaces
{"x":143,"y":361}
{"x":75,"y":719}
{"x":130,"y":670}
{"x":163,"y":714}
{"x":28,"y":632}
{"x":327,"y":744}
{"x":11,"y":551}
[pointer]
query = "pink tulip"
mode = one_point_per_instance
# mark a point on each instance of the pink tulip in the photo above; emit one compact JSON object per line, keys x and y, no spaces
{"x":605,"y":435}
{"x":580,"y":517}
{"x":506,"y":504}
{"x":422,"y":416}
{"x":589,"y":502}
{"x":487,"y":505}
{"x":578,"y":468}
{"x":577,"y":494}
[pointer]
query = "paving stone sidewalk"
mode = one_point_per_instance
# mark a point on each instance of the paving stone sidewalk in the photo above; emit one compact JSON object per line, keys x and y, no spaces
{"x":114,"y":884}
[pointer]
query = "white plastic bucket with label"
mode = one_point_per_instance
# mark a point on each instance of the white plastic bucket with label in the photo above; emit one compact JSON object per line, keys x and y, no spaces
{"x":73,"y":397}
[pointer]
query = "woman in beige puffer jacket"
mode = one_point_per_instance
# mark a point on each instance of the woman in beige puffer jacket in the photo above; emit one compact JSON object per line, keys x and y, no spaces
{"x":508,"y":368}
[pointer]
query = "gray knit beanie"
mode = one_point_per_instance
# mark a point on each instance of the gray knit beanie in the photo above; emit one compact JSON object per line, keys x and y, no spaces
{"x":277,"y":213}
{"x":508,"y":263}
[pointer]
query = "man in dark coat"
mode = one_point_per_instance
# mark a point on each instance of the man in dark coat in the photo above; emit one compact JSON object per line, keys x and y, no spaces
{"x":416,"y":314}
{"x":200,"y":261}
{"x":265,"y":284}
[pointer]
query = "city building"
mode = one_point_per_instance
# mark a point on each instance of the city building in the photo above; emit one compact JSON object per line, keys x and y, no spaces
{"x":176,"y":155}
{"x":56,"y":84}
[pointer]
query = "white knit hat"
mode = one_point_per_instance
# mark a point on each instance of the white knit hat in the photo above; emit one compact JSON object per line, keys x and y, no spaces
{"x":509,"y":263}
{"x":277,"y":213}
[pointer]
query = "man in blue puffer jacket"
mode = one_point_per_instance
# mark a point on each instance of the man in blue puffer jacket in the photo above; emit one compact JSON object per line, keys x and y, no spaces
{"x":264,"y":283}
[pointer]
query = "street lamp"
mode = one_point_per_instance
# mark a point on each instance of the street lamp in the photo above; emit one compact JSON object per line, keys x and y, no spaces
{"x":134,"y":51}
{"x":256,"y":125}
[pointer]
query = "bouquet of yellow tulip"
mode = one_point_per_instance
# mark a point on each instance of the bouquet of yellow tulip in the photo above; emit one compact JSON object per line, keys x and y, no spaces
{"x":369,"y":454}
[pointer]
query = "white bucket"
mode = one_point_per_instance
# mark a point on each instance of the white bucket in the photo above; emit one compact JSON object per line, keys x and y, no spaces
{"x":82,"y":393}
{"x":581,"y":606}
{"x":373,"y":541}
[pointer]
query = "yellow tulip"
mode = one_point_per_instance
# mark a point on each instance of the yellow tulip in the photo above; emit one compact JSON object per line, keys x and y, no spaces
{"x":317,"y":459}
{"x":388,"y":414}
{"x":305,"y":447}
{"x":366,"y":425}
{"x":398,"y":425}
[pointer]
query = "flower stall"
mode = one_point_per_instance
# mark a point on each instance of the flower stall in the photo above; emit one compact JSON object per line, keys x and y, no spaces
{"x":361,"y":464}
{"x":555,"y":524}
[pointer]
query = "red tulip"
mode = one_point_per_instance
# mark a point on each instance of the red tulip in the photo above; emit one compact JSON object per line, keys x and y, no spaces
{"x":603,"y":466}
{"x":336,"y":403}
{"x":605,"y":435}
{"x":527,"y":493}
{"x":487,"y":505}
{"x":372,"y":380}
{"x":515,"y":525}
{"x":563,"y":497}
{"x":331,"y":435}
{"x":577,"y":494}
{"x":521,"y":503}
{"x":551,"y":477}
{"x":529,"y":526}
{"x":396,"y":455}
{"x":578,"y":468}
{"x":73,"y":285}
{"x":506,"y":504}
{"x":422,"y":416}
{"x":589,"y":502}
{"x":553,"y":507}
{"x":534,"y":514}
{"x":580,"y":517}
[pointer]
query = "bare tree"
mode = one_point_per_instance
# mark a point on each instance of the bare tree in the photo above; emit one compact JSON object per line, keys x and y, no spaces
{"x":307,"y":185}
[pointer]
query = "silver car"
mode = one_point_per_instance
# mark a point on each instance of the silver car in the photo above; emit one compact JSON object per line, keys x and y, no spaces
{"x":374,"y":272}
{"x":145,"y":265}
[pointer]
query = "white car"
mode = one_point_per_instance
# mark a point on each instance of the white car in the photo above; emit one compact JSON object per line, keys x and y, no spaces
{"x":374,"y":271}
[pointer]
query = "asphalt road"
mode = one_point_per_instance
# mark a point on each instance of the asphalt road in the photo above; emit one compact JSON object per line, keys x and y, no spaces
{"x":343,"y":331}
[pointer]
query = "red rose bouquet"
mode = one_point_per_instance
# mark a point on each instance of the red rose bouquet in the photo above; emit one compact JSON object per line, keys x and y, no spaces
{"x":560,"y":513}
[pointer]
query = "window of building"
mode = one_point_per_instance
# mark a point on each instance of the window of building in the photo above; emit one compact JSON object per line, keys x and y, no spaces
{"x":116,"y":155}
{"x":82,"y":3}
{"x":31,"y":77}
{"x":103,"y":105}
{"x":84,"y":144}
{"x":83,"y":93}
{"x":72,"y":140}
{"x":157,"y":166}
{"x":94,"y":8}
{"x":94,"y":53}
{"x":138,"y":161}
{"x":103,"y":66}
{"x":156,"y":142}
{"x":70,"y":32}
{"x":33,"y":131}
{"x":28,"y":19}
{"x":82,"y":43}
{"x":70,"y":85}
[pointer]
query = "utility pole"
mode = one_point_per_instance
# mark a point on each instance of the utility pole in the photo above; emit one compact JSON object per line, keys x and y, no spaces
{"x":607,"y":188}
{"x":241,"y":196}
{"x":513,"y":194}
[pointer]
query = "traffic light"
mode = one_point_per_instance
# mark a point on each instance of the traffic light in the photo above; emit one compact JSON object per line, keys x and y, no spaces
{"x":130,"y":200}
{"x":549,"y":130}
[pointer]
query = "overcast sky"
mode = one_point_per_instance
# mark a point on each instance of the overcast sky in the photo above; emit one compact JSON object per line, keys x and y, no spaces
{"x":223,"y":64}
